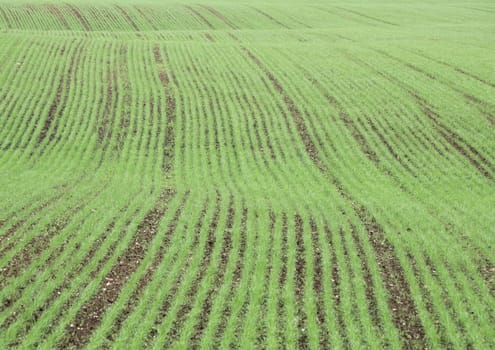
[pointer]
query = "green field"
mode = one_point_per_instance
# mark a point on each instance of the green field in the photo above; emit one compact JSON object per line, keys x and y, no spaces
{"x":258,"y":175}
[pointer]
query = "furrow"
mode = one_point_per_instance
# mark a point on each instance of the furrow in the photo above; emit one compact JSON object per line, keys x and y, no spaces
{"x":90,"y":314}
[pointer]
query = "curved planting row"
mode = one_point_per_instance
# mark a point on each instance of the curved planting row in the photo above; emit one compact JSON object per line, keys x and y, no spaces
{"x":215,"y":175}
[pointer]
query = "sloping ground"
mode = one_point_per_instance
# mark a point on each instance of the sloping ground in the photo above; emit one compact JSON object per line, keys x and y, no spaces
{"x":262,"y":175}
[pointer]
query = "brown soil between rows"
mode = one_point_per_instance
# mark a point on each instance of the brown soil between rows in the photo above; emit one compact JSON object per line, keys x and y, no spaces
{"x":273,"y":19}
{"x":128,"y":18}
{"x":171,"y":105}
{"x":60,"y":99}
{"x":35,"y":247}
{"x":369,"y":285}
{"x":404,"y":313}
{"x":336,"y":290}
{"x":217,"y":14}
{"x":367,"y":16}
{"x":303,"y":132}
{"x":76,"y":12}
{"x":447,"y":134}
{"x":89,"y":316}
{"x":457,"y":69}
{"x":217,"y":281}
{"x":318,"y":286}
{"x":148,"y":275}
{"x":186,"y":307}
{"x":22,"y":221}
{"x":261,"y":322}
{"x":5,"y":18}
{"x":236,"y":278}
{"x":199,"y":15}
{"x":145,"y":16}
{"x":177,"y":283}
{"x":55,"y":11}
{"x":481,"y":105}
{"x":300,"y":276}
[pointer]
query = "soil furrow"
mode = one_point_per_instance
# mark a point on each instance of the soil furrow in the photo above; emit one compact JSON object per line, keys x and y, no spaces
{"x":148,"y":275}
{"x":457,"y":69}
{"x":349,"y":123}
{"x":426,"y":295}
{"x":37,"y":245}
{"x":106,"y":125}
{"x":217,"y":14}
{"x":481,"y":105}
{"x":335,"y":283}
{"x":217,"y":281}
{"x":261,"y":323}
{"x":369,"y":285}
{"x":185,"y":308}
{"x":21,"y":222}
{"x":404,"y":313}
{"x":145,"y":16}
{"x":128,"y":18}
{"x":367,"y":16}
{"x":89,"y":316}
{"x":199,"y":15}
{"x":236,"y":279}
{"x":299,"y":284}
{"x":318,"y":286}
{"x":125,"y":116}
{"x":169,"y":142}
{"x":57,"y":291}
{"x":389,"y":147}
{"x":76,"y":12}
{"x":177,"y":284}
{"x":282,"y":279}
{"x":55,"y":11}
{"x":270,"y":18}
{"x":447,"y":134}
{"x":294,"y":111}
{"x":5,"y":18}
{"x":62,"y":94}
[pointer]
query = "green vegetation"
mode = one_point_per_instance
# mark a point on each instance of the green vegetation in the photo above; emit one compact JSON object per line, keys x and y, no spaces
{"x":252,"y":175}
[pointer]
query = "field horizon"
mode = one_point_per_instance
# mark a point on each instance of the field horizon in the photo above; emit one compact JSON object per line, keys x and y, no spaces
{"x":256,"y":175}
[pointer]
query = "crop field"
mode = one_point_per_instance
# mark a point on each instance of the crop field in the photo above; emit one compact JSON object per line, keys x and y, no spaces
{"x":258,"y":175}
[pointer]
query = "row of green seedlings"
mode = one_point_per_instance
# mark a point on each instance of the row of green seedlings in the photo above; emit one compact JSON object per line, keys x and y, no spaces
{"x":478,"y":281}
